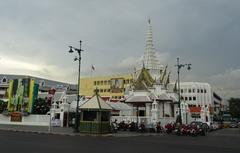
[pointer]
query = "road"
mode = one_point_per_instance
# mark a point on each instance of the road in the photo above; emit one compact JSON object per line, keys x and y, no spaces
{"x":226,"y":141}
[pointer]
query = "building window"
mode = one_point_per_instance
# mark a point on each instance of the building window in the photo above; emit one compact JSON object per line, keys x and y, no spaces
{"x":95,"y":83}
{"x":4,"y":80}
{"x":101,"y":90}
{"x":189,"y":90}
{"x":193,"y":90}
{"x":194,"y":98}
{"x":101,"y":83}
{"x":186,"y":98}
{"x":90,"y":115}
{"x":105,"y":90}
{"x":108,"y":90}
{"x":201,"y":90}
{"x":190,"y":98}
{"x":105,"y":82}
{"x":181,"y":90}
{"x":109,"y":82}
{"x":198,"y":91}
{"x":205,"y":91}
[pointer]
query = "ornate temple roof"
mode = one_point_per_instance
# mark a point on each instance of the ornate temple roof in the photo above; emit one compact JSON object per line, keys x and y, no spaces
{"x":150,"y":58}
{"x":143,"y":81}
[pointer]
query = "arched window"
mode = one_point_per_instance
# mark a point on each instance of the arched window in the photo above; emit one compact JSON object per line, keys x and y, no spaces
{"x":4,"y":80}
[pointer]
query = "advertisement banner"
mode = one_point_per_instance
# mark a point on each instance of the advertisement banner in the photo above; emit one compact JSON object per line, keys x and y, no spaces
{"x":20,"y":97}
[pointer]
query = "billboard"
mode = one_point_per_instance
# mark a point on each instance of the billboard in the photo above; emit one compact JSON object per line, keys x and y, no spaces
{"x":117,"y":85}
{"x":21,"y":95}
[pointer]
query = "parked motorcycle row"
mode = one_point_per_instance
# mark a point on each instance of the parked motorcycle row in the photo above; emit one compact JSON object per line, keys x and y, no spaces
{"x":132,"y":126}
{"x":192,"y":129}
{"x":186,"y":130}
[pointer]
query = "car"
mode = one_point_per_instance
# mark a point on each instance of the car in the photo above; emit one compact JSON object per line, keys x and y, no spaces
{"x":233,"y":125}
{"x":215,"y":126}
{"x":202,"y":125}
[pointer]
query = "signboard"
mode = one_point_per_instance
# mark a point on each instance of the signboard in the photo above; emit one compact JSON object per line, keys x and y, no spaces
{"x":117,"y":85}
{"x":16,"y":117}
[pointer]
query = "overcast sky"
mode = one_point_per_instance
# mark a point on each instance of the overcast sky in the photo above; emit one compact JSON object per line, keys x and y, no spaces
{"x":35,"y":36}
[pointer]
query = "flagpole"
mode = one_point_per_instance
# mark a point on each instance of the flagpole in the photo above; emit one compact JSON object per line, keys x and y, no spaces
{"x":91,"y":73}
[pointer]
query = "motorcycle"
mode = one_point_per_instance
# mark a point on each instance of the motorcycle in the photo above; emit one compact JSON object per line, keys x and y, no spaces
{"x":185,"y":130}
{"x":159,"y":128}
{"x":142,"y":128}
{"x":132,"y":126}
{"x":194,"y":130}
{"x":169,"y":128}
{"x":177,"y":131}
{"x":201,"y":132}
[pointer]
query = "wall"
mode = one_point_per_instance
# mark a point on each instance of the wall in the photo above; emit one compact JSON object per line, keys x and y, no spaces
{"x":35,"y":120}
{"x":87,"y":85}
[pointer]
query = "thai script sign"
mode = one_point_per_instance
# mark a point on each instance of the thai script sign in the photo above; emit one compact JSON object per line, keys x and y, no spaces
{"x":16,"y":117}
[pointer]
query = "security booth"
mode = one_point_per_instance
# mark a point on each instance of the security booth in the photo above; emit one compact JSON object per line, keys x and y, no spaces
{"x":95,"y":116}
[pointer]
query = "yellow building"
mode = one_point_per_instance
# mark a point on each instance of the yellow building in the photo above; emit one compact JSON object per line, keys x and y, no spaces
{"x":110,"y":87}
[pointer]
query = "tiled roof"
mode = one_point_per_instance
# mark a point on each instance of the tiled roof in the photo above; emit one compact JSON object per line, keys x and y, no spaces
{"x":138,"y":98}
{"x":96,"y":102}
{"x":119,"y":106}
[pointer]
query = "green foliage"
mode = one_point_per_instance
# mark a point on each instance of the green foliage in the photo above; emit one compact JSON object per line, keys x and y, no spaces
{"x":41,"y":106}
{"x":234,"y":107}
{"x":3,"y":105}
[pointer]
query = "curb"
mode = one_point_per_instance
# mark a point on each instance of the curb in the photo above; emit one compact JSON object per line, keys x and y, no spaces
{"x":38,"y":132}
{"x":57,"y":133}
{"x":81,"y":134}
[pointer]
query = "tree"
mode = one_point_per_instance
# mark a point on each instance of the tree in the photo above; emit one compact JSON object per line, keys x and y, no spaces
{"x":41,"y":106}
{"x":234,"y":107}
{"x":3,"y":105}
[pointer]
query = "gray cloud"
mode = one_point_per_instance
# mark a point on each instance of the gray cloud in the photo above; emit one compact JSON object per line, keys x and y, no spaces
{"x":205,"y":33}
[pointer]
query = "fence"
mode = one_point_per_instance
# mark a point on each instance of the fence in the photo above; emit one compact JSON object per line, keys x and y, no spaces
{"x":145,"y":119}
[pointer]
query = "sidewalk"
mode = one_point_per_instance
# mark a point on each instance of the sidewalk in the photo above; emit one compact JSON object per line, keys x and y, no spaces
{"x":68,"y":131}
{"x":38,"y":129}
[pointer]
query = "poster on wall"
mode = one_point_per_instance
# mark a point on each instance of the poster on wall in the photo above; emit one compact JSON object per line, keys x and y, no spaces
{"x":20,"y":96}
{"x":117,"y":85}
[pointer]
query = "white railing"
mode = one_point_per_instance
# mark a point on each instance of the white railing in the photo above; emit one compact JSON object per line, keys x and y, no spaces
{"x":145,"y":119}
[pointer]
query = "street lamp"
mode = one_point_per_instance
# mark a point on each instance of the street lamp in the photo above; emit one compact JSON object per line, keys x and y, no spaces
{"x":78,"y":50}
{"x":179,"y":66}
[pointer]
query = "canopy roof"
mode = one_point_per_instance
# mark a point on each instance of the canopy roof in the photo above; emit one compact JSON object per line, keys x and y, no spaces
{"x":140,"y":97}
{"x":119,"y":106}
{"x":96,"y":103}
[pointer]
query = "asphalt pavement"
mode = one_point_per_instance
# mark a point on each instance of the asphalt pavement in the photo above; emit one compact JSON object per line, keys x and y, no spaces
{"x":222,"y":141}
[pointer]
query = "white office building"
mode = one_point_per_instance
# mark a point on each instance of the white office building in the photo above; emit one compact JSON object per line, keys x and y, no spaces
{"x":199,"y":102}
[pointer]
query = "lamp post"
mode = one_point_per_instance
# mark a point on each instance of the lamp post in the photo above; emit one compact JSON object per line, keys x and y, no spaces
{"x":179,"y":66}
{"x":78,"y":50}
